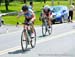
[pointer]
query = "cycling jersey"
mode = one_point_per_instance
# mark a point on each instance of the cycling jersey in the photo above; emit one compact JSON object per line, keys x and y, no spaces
{"x":46,"y":14}
{"x":29,"y":15}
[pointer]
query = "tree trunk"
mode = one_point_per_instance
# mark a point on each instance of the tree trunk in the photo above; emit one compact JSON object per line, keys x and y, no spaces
{"x":44,"y":1}
{"x":6,"y":4}
{"x":52,"y":2}
{"x":0,"y":2}
{"x":70,"y":1}
{"x":58,"y":2}
{"x":25,"y":1}
{"x":31,"y":0}
{"x":41,"y":1}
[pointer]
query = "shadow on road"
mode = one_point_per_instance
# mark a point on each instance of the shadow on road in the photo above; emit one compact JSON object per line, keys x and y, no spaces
{"x":20,"y":51}
{"x":42,"y":36}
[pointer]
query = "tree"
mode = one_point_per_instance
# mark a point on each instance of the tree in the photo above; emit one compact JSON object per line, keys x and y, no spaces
{"x":70,"y":2}
{"x":52,"y":2}
{"x":58,"y":2}
{"x":0,"y":2}
{"x":44,"y":1}
{"x":25,"y":1}
{"x":6,"y":4}
{"x":11,"y":0}
{"x":31,"y":0}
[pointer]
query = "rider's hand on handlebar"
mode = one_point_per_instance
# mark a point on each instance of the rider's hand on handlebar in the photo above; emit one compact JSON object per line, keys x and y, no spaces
{"x":30,"y":22}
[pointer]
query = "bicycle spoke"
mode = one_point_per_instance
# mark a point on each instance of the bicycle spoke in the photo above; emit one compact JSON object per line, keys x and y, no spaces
{"x":33,"y":40}
{"x":23,"y":41}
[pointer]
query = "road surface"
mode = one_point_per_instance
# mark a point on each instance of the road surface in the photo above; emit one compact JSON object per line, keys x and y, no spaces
{"x":61,"y":43}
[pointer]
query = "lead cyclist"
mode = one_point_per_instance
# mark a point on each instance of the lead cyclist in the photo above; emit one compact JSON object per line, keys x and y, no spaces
{"x":29,"y":17}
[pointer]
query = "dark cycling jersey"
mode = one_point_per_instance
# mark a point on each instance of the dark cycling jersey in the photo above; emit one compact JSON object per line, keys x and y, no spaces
{"x":29,"y":15}
{"x":46,"y":13}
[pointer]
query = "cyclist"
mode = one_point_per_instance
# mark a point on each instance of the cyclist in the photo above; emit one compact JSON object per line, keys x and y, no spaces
{"x":29,"y":17}
{"x":47,"y":14}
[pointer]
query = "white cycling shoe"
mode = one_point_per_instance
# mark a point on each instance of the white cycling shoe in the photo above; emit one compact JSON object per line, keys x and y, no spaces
{"x":49,"y":28}
{"x":32,"y":35}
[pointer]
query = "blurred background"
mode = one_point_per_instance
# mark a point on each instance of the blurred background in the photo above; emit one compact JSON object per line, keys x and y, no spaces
{"x":14,"y":6}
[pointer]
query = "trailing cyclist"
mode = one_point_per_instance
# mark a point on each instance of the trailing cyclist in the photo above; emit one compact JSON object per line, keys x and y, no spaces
{"x":47,"y":14}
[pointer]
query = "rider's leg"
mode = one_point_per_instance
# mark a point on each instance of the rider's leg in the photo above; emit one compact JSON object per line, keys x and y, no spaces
{"x":32,"y":30}
{"x":25,"y":31}
{"x":49,"y":22}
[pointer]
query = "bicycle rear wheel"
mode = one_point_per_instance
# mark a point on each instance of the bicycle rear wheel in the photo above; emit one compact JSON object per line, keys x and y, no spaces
{"x":33,"y":40}
{"x":44,"y":30}
{"x":23,"y":41}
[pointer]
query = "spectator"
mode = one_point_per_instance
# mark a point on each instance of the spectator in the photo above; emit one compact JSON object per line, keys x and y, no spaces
{"x":71,"y":12}
{"x":31,"y":5}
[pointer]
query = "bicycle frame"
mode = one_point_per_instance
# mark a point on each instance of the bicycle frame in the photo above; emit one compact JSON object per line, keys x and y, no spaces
{"x":28,"y":40}
{"x":45,"y":24}
{"x":28,"y":31}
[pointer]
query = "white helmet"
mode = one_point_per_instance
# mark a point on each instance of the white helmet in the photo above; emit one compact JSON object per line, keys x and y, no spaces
{"x":46,"y":8}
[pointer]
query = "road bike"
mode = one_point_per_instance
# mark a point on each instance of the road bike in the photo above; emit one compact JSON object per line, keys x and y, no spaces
{"x":45,"y":27}
{"x":26,"y":38}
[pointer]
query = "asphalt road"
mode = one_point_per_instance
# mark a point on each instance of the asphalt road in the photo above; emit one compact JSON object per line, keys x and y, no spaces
{"x":61,"y":43}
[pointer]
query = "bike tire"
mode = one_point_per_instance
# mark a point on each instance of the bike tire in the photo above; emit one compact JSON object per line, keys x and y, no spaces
{"x":50,"y":31}
{"x":44,"y":28}
{"x":24,"y":42}
{"x":33,"y":40}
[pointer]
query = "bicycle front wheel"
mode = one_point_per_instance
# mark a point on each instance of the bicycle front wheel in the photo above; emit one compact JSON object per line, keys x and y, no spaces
{"x":50,"y":30}
{"x":33,"y":40}
{"x":44,"y":30}
{"x":23,"y":41}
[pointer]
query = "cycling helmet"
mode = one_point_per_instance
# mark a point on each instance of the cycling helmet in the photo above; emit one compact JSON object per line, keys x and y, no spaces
{"x":46,"y":8}
{"x":25,"y":8}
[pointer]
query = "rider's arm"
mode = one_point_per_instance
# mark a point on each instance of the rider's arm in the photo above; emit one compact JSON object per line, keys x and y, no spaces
{"x":50,"y":15}
{"x":33,"y":17}
{"x":42,"y":15}
{"x":20,"y":14}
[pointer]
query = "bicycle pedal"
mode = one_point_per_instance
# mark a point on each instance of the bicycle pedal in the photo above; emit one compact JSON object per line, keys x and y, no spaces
{"x":32,"y":37}
{"x":24,"y":40}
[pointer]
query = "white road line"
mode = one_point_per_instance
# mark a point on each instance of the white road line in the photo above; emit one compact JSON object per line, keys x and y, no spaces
{"x":39,"y":41}
{"x":9,"y":50}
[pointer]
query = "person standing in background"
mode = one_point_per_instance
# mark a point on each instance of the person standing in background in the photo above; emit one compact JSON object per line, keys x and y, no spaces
{"x":31,"y":5}
{"x":71,"y":12}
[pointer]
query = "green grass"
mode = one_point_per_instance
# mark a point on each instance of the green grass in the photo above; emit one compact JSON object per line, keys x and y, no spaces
{"x":16,"y":6}
{"x":12,"y":20}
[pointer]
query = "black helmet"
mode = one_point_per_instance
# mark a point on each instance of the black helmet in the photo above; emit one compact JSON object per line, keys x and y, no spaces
{"x":25,"y":7}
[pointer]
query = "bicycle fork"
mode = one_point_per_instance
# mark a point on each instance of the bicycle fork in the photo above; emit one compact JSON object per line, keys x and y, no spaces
{"x":28,"y":32}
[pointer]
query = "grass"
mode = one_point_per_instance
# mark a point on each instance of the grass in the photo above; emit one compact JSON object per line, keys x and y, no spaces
{"x":16,"y":6}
